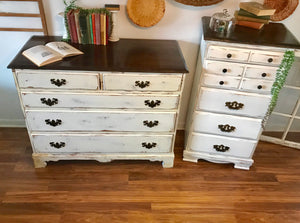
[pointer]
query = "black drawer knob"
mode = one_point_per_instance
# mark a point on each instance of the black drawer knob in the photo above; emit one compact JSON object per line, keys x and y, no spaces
{"x":226,"y":128}
{"x":229,"y":55}
{"x":221,"y":148}
{"x":58,"y":82}
{"x":259,"y":87}
{"x":270,"y":60}
{"x":149,"y":145}
{"x":49,"y":101}
{"x":224,"y":70}
{"x":221,"y":82}
{"x":53,"y":122}
{"x":57,"y":145}
{"x":151,"y":124}
{"x":234,"y":105}
{"x":142,"y":84}
{"x":152,"y":103}
{"x":263,"y":74}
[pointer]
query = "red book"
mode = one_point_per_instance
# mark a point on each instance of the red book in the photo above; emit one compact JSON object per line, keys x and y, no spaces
{"x":73,"y":27}
{"x":253,"y":25}
{"x":70,"y":25}
{"x":94,"y":28}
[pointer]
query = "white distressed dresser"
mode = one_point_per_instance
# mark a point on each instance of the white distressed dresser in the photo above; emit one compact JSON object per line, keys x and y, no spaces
{"x":232,"y":91}
{"x":119,"y":101}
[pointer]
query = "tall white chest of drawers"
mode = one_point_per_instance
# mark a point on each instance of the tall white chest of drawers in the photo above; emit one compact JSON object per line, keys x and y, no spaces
{"x":102,"y":106}
{"x":231,"y":93}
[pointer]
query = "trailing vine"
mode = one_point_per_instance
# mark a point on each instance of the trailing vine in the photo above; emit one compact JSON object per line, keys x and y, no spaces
{"x":281,"y":74}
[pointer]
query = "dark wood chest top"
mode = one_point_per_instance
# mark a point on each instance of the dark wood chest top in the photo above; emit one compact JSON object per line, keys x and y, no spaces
{"x":126,"y":55}
{"x":272,"y":34}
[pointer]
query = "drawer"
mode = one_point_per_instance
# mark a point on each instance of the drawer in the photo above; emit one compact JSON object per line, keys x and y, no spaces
{"x":96,"y":100}
{"x":272,"y":58}
{"x":257,"y":85}
{"x":101,"y":143}
{"x":228,"y":53}
{"x":77,"y":120}
{"x":226,"y":125}
{"x":221,"y":81}
{"x":58,"y":80}
{"x":262,"y":72}
{"x":233,"y":102}
{"x":142,"y":82}
{"x":222,"y":145}
{"x":225,"y":68}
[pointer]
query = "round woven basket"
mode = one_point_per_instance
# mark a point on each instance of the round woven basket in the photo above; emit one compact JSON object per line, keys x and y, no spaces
{"x":199,"y":2}
{"x":145,"y":13}
{"x":284,"y":8}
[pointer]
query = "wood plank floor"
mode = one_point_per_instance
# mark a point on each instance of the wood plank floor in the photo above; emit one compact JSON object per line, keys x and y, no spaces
{"x":142,"y":191}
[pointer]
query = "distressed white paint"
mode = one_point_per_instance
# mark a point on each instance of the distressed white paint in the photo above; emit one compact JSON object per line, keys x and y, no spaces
{"x":102,"y":143}
{"x":255,"y":71}
{"x":263,"y":57}
{"x":234,"y":69}
{"x":33,"y":79}
{"x":32,"y":99}
{"x":221,"y":81}
{"x":100,"y":120}
{"x":255,"y":105}
{"x":220,"y":52}
{"x":208,"y":122}
{"x":155,"y":82}
{"x":237,"y":147}
{"x":255,"y":84}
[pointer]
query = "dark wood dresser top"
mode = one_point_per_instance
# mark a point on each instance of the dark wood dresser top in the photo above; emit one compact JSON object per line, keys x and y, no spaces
{"x":126,"y":55}
{"x":272,"y":34}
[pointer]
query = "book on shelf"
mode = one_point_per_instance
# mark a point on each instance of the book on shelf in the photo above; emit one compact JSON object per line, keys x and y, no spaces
{"x":253,"y":25}
{"x":257,"y":8}
{"x":251,"y":19}
{"x":42,"y":55}
{"x":97,"y":28}
{"x":72,"y":27}
{"x":76,"y":15}
{"x":243,"y":12}
{"x":83,"y":28}
{"x":91,"y":28}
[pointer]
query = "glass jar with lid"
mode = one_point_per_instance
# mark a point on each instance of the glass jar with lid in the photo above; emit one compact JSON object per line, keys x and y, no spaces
{"x":222,"y":22}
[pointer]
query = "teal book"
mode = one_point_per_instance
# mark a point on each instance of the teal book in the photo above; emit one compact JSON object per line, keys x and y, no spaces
{"x":91,"y":25}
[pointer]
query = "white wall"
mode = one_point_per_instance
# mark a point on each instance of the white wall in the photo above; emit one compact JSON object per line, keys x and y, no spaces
{"x":180,"y":22}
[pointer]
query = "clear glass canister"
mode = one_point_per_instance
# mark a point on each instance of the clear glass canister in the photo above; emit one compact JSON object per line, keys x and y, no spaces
{"x":222,"y":22}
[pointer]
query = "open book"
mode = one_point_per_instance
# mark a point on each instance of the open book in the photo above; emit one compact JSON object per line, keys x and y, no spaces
{"x":51,"y":52}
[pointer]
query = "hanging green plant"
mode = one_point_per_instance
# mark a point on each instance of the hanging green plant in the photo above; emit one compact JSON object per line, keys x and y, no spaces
{"x":281,"y":74}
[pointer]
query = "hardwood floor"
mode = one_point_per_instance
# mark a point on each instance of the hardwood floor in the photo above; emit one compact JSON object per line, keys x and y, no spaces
{"x":142,"y":191}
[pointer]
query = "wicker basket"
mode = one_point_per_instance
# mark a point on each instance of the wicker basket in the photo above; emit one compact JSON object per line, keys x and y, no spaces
{"x":199,"y":2}
{"x":284,"y":8}
{"x":145,"y":13}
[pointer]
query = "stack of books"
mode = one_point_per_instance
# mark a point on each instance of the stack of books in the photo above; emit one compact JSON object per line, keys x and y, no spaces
{"x":253,"y":15}
{"x":89,"y":26}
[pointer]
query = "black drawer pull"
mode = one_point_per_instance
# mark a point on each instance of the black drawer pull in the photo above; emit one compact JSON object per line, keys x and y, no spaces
{"x":149,"y":145}
{"x":58,"y":82}
{"x":224,"y":70}
{"x":229,"y":55}
{"x":57,"y":145}
{"x":142,"y":84}
{"x":226,"y":128}
{"x":263,"y":74}
{"x":270,"y":60}
{"x":151,"y":124}
{"x":259,"y":87}
{"x":234,"y":105}
{"x":53,"y":122}
{"x":49,"y":101}
{"x":152,"y":103}
{"x":221,"y":82}
{"x":221,"y":148}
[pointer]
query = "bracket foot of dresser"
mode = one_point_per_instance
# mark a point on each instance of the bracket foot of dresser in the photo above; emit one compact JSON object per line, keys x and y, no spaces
{"x":239,"y":163}
{"x":41,"y":159}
